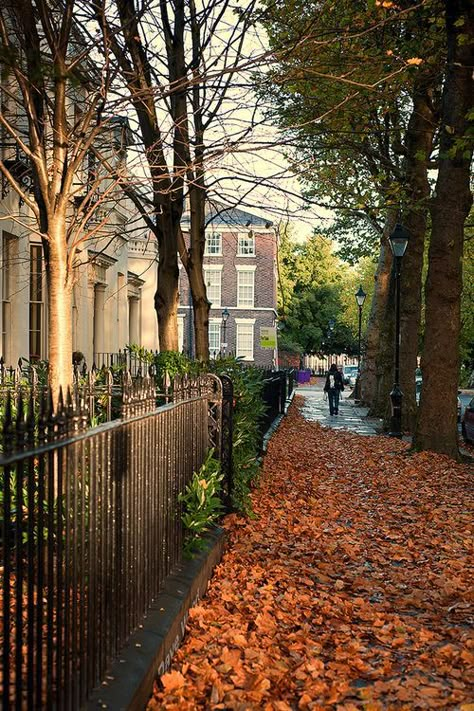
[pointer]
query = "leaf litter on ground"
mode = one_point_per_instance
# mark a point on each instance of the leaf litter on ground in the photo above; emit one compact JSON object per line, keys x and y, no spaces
{"x":351,"y":589}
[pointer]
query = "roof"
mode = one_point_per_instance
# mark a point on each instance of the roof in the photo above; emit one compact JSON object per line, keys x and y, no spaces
{"x":231,"y":216}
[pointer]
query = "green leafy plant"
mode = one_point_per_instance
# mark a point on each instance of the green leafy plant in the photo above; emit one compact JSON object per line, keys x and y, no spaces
{"x":174,"y":364}
{"x":249,"y":410}
{"x":201,"y":503}
{"x":141,"y":353}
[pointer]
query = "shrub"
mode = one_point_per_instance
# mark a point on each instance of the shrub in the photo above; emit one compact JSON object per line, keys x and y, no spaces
{"x":202,"y":503}
{"x":249,"y":409}
{"x":174,"y":364}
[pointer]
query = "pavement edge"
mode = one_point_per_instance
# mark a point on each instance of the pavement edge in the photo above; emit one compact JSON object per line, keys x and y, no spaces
{"x":128,"y":683}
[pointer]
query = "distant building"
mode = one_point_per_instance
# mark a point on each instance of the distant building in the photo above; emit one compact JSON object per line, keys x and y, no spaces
{"x":241,"y":280}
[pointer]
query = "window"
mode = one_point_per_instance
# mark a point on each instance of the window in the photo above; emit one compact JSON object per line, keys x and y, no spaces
{"x":7,"y":245}
{"x":214,"y":338}
{"x":245,"y":288}
{"x":246,"y":244}
{"x":181,"y":334}
{"x":213,"y":281}
{"x":36,"y":300}
{"x":244,"y":346}
{"x":213,"y":243}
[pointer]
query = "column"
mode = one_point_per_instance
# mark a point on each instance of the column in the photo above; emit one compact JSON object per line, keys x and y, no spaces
{"x":99,"y":305}
{"x":134,"y":320}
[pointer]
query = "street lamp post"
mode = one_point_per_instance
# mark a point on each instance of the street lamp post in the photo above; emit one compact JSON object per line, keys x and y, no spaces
{"x":360,"y":298}
{"x":225,"y":316}
{"x":331,"y":324}
{"x":398,"y":243}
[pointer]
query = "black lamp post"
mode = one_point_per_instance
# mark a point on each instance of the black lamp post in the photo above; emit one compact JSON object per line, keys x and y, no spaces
{"x":225,"y":316}
{"x":331,"y":324}
{"x":360,"y":298}
{"x":398,"y":243}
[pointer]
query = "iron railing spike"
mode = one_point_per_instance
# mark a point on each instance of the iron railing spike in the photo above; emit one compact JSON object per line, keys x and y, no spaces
{"x":8,"y":429}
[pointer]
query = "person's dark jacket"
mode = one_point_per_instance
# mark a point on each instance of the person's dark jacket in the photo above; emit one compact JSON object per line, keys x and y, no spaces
{"x":338,"y":382}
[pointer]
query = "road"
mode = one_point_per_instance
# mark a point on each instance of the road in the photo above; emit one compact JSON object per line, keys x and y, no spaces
{"x":465,"y":396}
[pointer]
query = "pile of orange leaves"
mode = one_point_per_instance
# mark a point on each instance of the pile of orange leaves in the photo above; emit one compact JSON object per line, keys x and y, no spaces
{"x":350,"y":589}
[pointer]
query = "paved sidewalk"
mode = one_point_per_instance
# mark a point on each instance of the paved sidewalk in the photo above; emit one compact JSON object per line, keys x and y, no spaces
{"x":351,"y":416}
{"x":349,"y":589}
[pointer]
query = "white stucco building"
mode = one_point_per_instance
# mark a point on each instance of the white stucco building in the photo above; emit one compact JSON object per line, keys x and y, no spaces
{"x":113,"y":293}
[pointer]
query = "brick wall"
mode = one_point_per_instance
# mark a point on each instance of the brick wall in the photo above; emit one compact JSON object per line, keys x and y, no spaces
{"x":264,"y":310}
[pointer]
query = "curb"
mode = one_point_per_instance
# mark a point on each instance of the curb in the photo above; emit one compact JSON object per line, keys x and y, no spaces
{"x":129,"y":681}
{"x":274,"y":426}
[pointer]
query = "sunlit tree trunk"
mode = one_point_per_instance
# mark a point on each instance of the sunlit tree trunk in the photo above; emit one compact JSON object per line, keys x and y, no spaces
{"x":59,"y":307}
{"x":436,"y":426}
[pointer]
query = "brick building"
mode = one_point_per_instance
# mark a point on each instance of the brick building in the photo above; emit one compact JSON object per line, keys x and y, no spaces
{"x":241,"y":279}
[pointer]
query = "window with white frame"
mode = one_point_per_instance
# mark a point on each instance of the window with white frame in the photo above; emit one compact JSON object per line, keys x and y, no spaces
{"x":180,"y":333}
{"x":246,"y":244}
{"x":7,"y":268}
{"x":213,"y":279}
{"x":245,"y":288}
{"x":214,"y":338}
{"x":36,"y":301}
{"x":213,"y":243}
{"x":244,"y":344}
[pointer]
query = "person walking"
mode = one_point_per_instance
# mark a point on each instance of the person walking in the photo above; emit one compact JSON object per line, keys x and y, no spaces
{"x":333,"y":387}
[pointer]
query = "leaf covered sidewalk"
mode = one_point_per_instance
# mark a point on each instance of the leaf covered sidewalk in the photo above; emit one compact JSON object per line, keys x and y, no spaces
{"x":350,"y":589}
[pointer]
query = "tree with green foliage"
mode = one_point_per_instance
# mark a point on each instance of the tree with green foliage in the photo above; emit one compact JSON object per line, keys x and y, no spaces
{"x":311,"y":303}
{"x":437,"y":426}
{"x":359,"y":101}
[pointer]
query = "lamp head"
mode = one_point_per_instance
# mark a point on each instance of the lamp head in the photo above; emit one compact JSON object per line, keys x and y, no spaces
{"x":360,"y":296}
{"x":225,"y":315}
{"x":399,"y":240}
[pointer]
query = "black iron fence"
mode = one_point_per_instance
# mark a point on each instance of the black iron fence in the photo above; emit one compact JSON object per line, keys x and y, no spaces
{"x":102,"y":390}
{"x":136,"y":363}
{"x":90,"y":528}
{"x":90,"y":522}
{"x":277,"y":388}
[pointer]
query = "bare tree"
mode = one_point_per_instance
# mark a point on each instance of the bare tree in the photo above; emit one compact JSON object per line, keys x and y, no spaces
{"x":180,"y":64}
{"x":52,"y":121}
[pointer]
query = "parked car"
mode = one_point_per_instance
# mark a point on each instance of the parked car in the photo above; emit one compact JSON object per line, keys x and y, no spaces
{"x":418,"y":384}
{"x":467,"y":423}
{"x":349,"y":374}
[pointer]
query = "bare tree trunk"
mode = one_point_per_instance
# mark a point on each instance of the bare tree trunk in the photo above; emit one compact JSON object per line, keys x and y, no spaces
{"x":197,"y":195}
{"x":167,"y":290}
{"x":59,"y":309}
{"x":419,"y":143}
{"x":371,"y":365}
{"x":436,"y":426}
{"x":195,"y":273}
